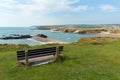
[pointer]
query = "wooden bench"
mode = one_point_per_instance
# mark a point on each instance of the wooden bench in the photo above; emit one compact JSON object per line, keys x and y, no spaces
{"x":38,"y":56}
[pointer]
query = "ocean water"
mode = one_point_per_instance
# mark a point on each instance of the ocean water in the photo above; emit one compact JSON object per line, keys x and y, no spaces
{"x":66,"y":37}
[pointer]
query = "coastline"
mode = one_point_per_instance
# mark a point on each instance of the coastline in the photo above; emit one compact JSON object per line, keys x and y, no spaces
{"x":48,"y":40}
{"x":108,"y":33}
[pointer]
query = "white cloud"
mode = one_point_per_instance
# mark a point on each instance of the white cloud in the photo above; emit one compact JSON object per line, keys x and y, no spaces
{"x":42,"y":6}
{"x":35,"y":11}
{"x":109,"y":8}
{"x":7,"y":4}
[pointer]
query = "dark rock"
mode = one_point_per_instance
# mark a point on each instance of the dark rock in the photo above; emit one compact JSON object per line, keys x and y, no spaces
{"x":42,"y":35}
{"x":66,"y":31}
{"x":16,"y":37}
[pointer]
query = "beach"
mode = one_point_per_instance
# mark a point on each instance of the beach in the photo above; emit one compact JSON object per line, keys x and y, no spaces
{"x":48,"y":40}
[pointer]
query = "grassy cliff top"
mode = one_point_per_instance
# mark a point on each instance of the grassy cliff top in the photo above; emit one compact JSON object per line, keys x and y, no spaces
{"x":83,"y":60}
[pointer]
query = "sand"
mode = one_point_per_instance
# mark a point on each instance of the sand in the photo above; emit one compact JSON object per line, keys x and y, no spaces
{"x":48,"y":40}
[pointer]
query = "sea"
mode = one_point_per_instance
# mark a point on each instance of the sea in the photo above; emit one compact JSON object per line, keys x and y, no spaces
{"x":60,"y":36}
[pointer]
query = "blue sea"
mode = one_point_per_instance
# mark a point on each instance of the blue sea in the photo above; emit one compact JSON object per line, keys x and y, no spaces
{"x":66,"y":37}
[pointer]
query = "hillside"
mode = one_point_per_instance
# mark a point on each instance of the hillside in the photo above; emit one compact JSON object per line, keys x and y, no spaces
{"x":87,"y":59}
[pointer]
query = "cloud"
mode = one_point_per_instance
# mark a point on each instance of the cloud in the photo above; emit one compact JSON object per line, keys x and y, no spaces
{"x":8,"y":4}
{"x":36,"y":11}
{"x":109,"y":8}
{"x":41,"y":6}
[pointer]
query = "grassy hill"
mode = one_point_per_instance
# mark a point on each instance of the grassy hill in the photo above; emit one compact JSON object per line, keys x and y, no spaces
{"x":88,"y":59}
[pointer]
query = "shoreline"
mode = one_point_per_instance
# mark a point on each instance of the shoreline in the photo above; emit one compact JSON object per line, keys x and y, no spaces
{"x":48,"y":40}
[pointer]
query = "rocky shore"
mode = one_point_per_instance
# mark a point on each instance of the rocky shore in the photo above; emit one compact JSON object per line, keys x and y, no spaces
{"x":16,"y":36}
{"x":39,"y":37}
{"x":74,"y":30}
{"x":113,"y":31}
{"x":86,"y":31}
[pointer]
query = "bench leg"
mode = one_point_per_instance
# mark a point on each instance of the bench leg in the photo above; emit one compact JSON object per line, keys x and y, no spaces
{"x":26,"y":59}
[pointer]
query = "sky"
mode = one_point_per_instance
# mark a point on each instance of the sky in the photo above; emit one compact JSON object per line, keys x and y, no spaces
{"x":57,"y":12}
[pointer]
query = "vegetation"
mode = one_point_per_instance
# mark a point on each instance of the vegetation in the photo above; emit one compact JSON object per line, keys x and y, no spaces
{"x":98,"y":41}
{"x":83,"y":60}
{"x":83,"y":29}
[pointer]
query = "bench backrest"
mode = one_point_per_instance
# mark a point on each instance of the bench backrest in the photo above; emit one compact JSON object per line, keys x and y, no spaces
{"x":38,"y":52}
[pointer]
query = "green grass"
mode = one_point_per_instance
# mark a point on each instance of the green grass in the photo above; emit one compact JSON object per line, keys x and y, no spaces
{"x":82,"y":61}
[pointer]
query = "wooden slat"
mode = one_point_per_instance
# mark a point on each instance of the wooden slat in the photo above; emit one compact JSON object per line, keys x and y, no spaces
{"x":43,"y":49}
{"x":20,"y":52}
{"x":20,"y":58}
{"x":21,"y":55}
{"x":40,"y":55}
{"x":46,"y":52}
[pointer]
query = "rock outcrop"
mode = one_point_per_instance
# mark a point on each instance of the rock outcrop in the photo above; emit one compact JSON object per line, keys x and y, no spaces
{"x":41,"y":35}
{"x":16,"y":36}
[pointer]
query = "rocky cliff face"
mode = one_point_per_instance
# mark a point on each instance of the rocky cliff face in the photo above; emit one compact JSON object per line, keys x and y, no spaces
{"x":78,"y":31}
{"x":74,"y":30}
